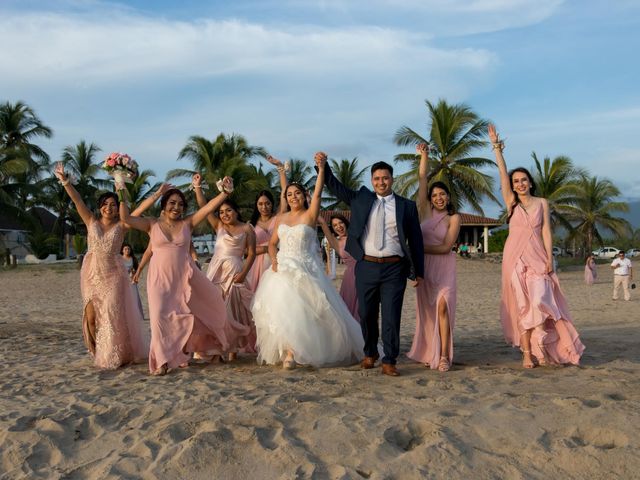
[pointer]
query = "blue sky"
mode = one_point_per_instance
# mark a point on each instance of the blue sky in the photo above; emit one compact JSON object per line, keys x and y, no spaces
{"x":557,"y":77}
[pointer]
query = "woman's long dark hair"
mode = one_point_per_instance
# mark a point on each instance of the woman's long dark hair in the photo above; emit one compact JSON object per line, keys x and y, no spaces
{"x":532,"y":189}
{"x":299,"y":187}
{"x":234,"y":207}
{"x":255,"y":215}
{"x":168,"y":193}
{"x":133,"y":257}
{"x":451,"y":210}
{"x":340,"y":217}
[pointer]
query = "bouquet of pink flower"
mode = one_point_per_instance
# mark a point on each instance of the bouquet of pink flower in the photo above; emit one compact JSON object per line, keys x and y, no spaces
{"x":121,"y":167}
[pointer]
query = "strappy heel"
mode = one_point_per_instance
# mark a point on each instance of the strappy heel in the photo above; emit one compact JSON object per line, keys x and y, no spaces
{"x":444,"y":365}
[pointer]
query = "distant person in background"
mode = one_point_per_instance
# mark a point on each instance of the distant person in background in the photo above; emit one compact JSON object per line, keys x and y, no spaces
{"x":590,"y":271}
{"x":131,"y":264}
{"x":622,"y":275}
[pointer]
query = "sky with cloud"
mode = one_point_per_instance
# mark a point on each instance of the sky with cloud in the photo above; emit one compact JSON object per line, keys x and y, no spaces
{"x":296,"y":76}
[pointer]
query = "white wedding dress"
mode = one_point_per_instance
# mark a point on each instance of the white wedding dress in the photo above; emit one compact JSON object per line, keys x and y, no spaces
{"x":298,"y":308}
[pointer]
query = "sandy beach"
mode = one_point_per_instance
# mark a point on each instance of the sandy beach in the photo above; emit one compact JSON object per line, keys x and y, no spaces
{"x":486,"y":418}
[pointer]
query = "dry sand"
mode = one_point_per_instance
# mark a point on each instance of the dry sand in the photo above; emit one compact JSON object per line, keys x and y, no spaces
{"x":487,"y":418}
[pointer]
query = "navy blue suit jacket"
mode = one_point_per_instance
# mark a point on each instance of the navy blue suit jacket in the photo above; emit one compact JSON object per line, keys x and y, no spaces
{"x":407,"y":220}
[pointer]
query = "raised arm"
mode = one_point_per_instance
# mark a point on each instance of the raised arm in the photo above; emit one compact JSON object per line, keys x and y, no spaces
{"x":449,"y":239}
{"x":422,"y":201}
{"x":213,"y":204}
{"x":81,"y":207}
{"x":139,"y":223}
{"x":251,"y":255}
{"x":333,"y":241}
{"x":505,"y":183}
{"x":316,"y":199}
{"x":547,"y":239}
{"x":283,"y":181}
{"x":343,"y":193}
{"x":196,"y":182}
{"x":148,"y":202}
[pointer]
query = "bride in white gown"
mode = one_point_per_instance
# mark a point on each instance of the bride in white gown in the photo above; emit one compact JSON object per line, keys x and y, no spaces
{"x":299,"y":315}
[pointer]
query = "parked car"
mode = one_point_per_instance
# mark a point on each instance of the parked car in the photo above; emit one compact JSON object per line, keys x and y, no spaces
{"x":633,"y":252}
{"x":606,"y":252}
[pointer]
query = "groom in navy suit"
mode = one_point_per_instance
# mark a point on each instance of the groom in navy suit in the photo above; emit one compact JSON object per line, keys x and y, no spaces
{"x":384,"y":237}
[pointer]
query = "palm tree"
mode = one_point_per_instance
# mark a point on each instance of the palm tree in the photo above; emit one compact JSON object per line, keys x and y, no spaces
{"x":19,"y":125}
{"x":456,"y":131}
{"x":226,"y":155}
{"x":592,"y":212}
{"x":301,"y":172}
{"x":348,"y":173}
{"x":554,"y":181}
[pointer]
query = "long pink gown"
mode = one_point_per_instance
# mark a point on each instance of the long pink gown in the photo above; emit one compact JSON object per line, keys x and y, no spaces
{"x":105,"y":283}
{"x":262,"y":262}
{"x":590,"y":273}
{"x":225,"y":263}
{"x":439,"y":284}
{"x":532,"y":298}
{"x":186,"y":310}
{"x":348,"y":287}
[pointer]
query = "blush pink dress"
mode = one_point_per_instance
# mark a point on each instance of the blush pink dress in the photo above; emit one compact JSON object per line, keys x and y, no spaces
{"x":348,"y":286}
{"x":439,"y":284}
{"x":186,"y":310}
{"x":105,"y":283}
{"x":262,"y":262}
{"x":532,"y":298}
{"x":590,"y":272}
{"x":225,"y":263}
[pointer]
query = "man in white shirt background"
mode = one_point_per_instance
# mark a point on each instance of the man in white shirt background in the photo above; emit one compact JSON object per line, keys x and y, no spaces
{"x":622,"y":275}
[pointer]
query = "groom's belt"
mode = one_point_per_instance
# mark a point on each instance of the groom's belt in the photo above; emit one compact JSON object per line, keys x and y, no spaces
{"x":391,"y":259}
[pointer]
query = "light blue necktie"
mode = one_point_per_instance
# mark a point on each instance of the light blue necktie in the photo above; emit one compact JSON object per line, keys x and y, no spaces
{"x":378,"y":225}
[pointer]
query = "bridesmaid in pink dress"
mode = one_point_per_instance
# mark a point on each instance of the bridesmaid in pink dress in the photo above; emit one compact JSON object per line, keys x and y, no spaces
{"x":534,"y":313}
{"x":263,"y":220}
{"x":112,"y":322}
{"x":227,"y":269}
{"x":590,"y":271}
{"x":436,"y":296}
{"x":187,"y":312}
{"x":336,"y":234}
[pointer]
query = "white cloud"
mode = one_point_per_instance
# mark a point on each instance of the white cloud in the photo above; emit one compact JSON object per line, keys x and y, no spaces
{"x":85,"y":51}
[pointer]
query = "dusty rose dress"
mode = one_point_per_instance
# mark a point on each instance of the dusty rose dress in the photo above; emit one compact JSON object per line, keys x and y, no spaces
{"x":186,"y":310}
{"x":348,"y":286}
{"x":439,"y":283}
{"x":105,"y":283}
{"x":225,"y":263}
{"x":262,"y":262}
{"x":590,"y":272}
{"x":532,"y":298}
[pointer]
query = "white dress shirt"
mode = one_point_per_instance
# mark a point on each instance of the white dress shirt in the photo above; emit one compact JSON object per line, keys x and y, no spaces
{"x":391,"y":238}
{"x":623,"y":266}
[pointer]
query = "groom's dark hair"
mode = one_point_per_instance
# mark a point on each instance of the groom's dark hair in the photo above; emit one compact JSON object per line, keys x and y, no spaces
{"x":381,"y":166}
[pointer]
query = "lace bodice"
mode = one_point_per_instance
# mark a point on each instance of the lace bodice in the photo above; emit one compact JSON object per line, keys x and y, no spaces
{"x":298,"y":245}
{"x":102,"y":242}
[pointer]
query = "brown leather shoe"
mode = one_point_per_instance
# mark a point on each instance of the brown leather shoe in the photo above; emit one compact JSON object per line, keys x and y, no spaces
{"x":391,"y":370}
{"x":368,"y":362}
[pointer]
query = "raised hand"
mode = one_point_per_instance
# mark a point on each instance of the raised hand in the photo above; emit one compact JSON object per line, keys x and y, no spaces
{"x":227,"y":184}
{"x":196,"y":180}
{"x":422,"y":148}
{"x":164,"y":188}
{"x":274,"y":161}
{"x":320,"y":159}
{"x":493,"y":134}
{"x":59,"y":172}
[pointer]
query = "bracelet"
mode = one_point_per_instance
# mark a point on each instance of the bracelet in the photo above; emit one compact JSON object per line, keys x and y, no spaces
{"x":197,"y":186}
{"x":498,"y":146}
{"x":64,"y":183}
{"x":280,"y":168}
